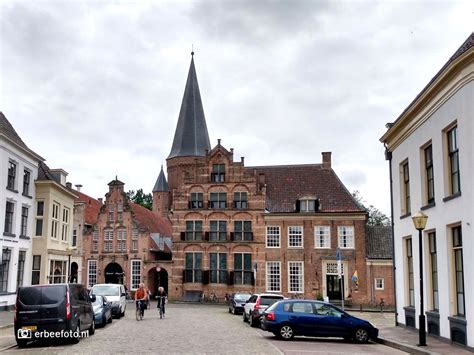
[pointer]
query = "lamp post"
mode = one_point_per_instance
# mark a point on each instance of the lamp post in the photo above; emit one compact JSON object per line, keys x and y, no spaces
{"x":419,"y":220}
{"x":69,"y":250}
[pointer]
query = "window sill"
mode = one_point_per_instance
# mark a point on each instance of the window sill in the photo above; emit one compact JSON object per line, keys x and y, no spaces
{"x":428,"y":206}
{"x":268,"y":247}
{"x":26,"y":195}
{"x":24,"y":237}
{"x":433,"y":314}
{"x":295,"y":247}
{"x":452,"y":197}
{"x":457,"y":319}
{"x":325,"y":248}
{"x":11,"y":235}
{"x":405,"y":215}
{"x":12,"y":190}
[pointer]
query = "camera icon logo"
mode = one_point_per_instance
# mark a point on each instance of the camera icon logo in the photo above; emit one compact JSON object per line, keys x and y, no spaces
{"x":24,"y":333}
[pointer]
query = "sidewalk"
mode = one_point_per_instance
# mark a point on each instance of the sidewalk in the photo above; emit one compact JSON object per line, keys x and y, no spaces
{"x":6,"y":319}
{"x":405,"y":339}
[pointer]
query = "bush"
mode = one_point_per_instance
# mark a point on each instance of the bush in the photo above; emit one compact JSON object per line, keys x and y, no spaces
{"x":319,"y":296}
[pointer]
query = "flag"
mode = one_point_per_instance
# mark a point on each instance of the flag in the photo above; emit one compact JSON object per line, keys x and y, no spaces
{"x":339,"y":263}
{"x":355,"y":278}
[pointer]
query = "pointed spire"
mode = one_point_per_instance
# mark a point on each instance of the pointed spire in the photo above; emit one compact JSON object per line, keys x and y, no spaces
{"x":191,"y":137}
{"x":161,"y":184}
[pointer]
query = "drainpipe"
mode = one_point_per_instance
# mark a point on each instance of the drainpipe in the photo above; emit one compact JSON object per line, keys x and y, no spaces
{"x":388,"y":156}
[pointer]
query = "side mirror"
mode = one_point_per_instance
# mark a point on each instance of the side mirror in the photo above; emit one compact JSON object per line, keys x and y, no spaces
{"x":123,"y":294}
{"x":92,"y":297}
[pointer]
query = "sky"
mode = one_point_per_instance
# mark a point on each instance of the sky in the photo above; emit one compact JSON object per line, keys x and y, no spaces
{"x":95,"y":87}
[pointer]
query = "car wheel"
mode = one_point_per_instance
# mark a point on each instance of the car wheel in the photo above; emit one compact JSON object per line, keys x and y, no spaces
{"x":361,"y":336}
{"x":104,"y":322}
{"x":21,"y":343}
{"x":92,"y":328}
{"x":233,"y":311}
{"x":77,"y":332}
{"x":253,"y":322}
{"x":286,"y":332}
{"x":122,"y":314}
{"x":230,"y":311}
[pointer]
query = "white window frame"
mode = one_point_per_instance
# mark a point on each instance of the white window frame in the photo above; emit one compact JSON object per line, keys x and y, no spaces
{"x":272,"y":278}
{"x":108,"y":240}
{"x":134,"y":275}
{"x":300,"y":276}
{"x":65,"y":224}
{"x":342,"y":231}
{"x":55,"y":220}
{"x":89,"y":273}
{"x":381,"y":288}
{"x":122,"y":239}
{"x":325,"y":232}
{"x":271,"y":235}
{"x":294,"y":234}
{"x":95,"y":240}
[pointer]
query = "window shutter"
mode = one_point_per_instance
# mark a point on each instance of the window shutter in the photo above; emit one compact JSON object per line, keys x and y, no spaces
{"x":184,"y":275}
{"x":189,"y":205}
{"x":183,"y":236}
{"x":232,"y":236}
{"x":205,"y":277}
{"x":253,"y":280}
{"x":230,"y":278}
{"x":297,"y":206}
{"x":206,"y":236}
{"x":316,"y":205}
{"x":209,"y":204}
{"x":251,"y":236}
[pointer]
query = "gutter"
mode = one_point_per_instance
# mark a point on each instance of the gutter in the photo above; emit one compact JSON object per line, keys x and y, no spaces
{"x":388,"y":156}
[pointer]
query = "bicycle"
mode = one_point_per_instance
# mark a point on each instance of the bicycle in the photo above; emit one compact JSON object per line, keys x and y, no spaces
{"x":161,"y":306}
{"x":213,"y":298}
{"x":140,"y":311}
{"x":382,"y":305}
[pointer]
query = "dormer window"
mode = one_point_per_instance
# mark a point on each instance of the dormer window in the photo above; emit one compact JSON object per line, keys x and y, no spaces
{"x":307,"y":205}
{"x":218,"y":173}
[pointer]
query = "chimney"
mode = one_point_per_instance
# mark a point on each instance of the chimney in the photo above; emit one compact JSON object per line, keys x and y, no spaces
{"x":100,"y":200}
{"x":326,"y":160}
{"x":78,"y":187}
{"x":242,"y":160}
{"x":68,"y":185}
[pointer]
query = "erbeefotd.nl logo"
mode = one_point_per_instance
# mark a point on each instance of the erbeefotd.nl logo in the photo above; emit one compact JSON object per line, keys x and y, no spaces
{"x":63,"y":334}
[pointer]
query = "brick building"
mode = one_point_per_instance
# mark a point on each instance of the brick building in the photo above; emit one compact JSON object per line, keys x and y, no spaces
{"x":126,"y":243}
{"x":269,"y":228}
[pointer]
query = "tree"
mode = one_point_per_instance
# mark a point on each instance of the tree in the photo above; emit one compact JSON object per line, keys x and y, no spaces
{"x":141,"y":198}
{"x":376,"y":217}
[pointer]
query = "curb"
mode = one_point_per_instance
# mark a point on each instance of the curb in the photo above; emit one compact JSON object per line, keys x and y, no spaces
{"x":6,"y":326}
{"x":403,"y":347}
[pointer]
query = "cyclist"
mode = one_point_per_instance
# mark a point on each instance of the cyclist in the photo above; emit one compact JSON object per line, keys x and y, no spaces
{"x":140,"y":298}
{"x":161,"y":296}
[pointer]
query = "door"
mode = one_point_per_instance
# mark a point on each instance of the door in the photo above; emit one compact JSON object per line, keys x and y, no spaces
{"x":303,"y":318}
{"x":330,"y":321}
{"x":333,"y":287}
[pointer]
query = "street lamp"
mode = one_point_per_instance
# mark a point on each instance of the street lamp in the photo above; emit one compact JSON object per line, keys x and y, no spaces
{"x":419,"y":220}
{"x":69,"y":250}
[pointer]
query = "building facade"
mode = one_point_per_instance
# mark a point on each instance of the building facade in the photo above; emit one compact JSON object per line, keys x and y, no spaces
{"x":430,"y":151}
{"x":257,"y":229}
{"x":52,"y":250}
{"x":126,"y":244}
{"x":19,"y":169}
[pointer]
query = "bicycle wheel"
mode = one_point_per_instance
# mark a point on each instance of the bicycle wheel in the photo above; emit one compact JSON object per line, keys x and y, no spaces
{"x":161,"y":312}
{"x":138,"y":314}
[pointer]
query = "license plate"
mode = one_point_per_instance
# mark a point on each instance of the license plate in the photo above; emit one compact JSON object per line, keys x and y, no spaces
{"x":30,"y":327}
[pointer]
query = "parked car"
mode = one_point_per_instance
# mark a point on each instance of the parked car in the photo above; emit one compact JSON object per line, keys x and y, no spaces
{"x":52,"y":308}
{"x":256,"y":305}
{"x":288,"y":318}
{"x":237,"y":302}
{"x":115,"y":294}
{"x":102,"y":310}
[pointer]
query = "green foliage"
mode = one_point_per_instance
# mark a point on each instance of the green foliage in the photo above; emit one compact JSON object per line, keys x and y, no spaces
{"x":141,"y":198}
{"x":376,"y":217}
{"x":319,"y":296}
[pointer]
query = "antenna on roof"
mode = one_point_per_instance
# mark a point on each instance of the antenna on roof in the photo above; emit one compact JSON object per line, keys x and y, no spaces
{"x":116,"y":177}
{"x":192,"y":50}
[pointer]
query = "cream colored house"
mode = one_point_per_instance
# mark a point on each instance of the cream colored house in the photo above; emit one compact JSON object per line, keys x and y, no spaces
{"x":52,"y":238}
{"x":430,"y":150}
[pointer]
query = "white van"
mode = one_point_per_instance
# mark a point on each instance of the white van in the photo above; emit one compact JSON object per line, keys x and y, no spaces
{"x":115,"y":293}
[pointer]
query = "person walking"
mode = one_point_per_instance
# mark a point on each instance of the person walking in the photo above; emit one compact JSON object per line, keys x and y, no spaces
{"x":161,"y":296}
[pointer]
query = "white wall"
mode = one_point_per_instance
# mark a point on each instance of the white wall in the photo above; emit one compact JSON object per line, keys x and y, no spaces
{"x":458,"y":107}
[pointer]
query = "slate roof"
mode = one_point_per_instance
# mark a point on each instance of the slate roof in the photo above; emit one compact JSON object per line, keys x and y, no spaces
{"x":161,"y":184}
{"x":467,"y":45}
{"x":148,"y":220}
{"x":44,"y":173}
{"x":7,"y":129}
{"x":191,"y":137}
{"x":378,"y":241}
{"x":285,"y":184}
{"x":92,"y":207}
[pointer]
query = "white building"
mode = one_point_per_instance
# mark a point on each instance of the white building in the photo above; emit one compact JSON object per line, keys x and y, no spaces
{"x":430,"y":148}
{"x":18,"y":171}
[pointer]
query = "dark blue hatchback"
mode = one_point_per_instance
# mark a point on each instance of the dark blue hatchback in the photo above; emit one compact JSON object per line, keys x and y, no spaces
{"x":288,"y":318}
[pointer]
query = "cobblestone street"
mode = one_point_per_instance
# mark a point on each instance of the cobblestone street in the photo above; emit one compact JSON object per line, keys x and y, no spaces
{"x":195,"y":329}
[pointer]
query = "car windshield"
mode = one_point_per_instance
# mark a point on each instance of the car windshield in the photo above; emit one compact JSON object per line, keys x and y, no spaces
{"x":106,"y":290}
{"x":242,"y":297}
{"x":98,"y":301}
{"x":269,"y":300}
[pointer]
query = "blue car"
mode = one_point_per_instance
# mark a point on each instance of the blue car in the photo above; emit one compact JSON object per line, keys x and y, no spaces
{"x":102,"y":311}
{"x":288,"y":318}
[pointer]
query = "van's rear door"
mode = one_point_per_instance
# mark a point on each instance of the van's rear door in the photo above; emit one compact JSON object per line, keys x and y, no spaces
{"x":29,"y":305}
{"x":53,"y":303}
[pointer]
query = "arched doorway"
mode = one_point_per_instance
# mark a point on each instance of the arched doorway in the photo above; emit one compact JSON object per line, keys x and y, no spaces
{"x":74,"y":270}
{"x":156,"y":279}
{"x":113,"y":274}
